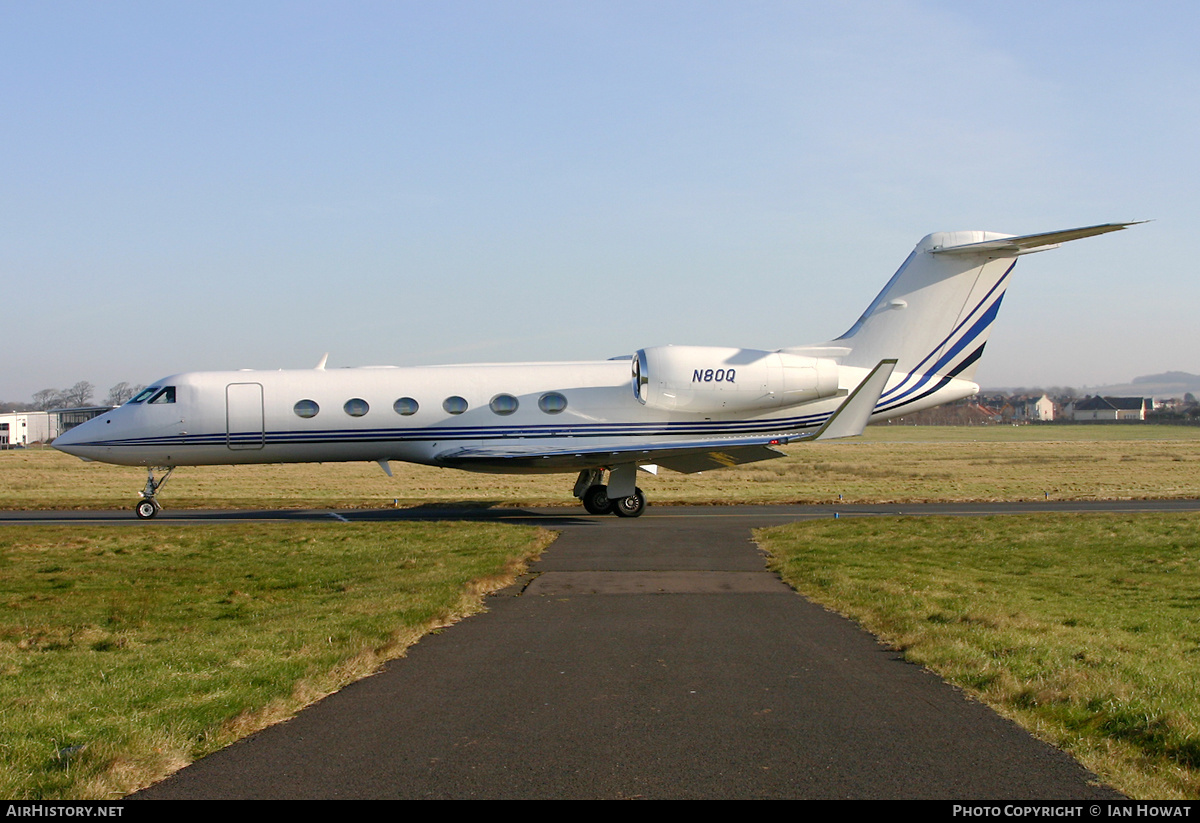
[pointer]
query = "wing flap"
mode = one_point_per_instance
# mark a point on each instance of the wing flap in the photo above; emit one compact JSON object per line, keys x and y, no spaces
{"x":685,"y":457}
{"x":718,"y":458}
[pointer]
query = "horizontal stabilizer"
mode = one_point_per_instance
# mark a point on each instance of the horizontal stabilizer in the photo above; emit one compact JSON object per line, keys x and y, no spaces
{"x":1032,"y":242}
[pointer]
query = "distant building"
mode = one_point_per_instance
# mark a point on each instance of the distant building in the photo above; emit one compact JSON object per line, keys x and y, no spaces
{"x":961,"y":413}
{"x":1040,"y":409}
{"x":23,"y":428}
{"x":1110,"y":408}
{"x":1031,"y":408}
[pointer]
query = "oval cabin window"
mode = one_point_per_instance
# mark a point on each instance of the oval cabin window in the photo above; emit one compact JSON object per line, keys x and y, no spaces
{"x":552,"y":402}
{"x":504,"y":404}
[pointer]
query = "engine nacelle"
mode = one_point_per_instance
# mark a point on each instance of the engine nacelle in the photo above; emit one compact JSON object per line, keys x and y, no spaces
{"x":705,"y":379}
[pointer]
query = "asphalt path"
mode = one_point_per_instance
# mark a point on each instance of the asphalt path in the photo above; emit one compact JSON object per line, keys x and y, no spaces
{"x":647,"y":658}
{"x":554,"y":517}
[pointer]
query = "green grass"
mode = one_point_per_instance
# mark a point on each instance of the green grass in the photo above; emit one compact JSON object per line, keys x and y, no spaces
{"x":1084,"y":629}
{"x":126,"y":654}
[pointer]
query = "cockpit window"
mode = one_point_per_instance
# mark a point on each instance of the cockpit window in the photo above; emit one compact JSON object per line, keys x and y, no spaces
{"x":165,"y":395}
{"x":144,"y":394}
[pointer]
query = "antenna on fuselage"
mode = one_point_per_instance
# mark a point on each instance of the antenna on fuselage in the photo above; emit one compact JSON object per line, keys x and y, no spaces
{"x":321,"y":365}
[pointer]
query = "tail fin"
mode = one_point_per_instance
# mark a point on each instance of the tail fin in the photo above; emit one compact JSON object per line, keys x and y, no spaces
{"x":934,"y":315}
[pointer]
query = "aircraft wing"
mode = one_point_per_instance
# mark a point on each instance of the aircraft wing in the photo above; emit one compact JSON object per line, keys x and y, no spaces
{"x":687,"y":457}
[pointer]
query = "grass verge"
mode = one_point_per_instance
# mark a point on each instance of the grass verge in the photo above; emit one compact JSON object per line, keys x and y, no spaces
{"x":125,"y":654}
{"x":1082,"y":628}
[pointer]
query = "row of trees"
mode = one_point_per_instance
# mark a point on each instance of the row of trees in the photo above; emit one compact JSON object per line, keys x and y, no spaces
{"x":80,"y":394}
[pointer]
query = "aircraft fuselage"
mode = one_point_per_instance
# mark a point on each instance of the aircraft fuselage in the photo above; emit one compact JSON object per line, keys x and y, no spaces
{"x":413,"y":415}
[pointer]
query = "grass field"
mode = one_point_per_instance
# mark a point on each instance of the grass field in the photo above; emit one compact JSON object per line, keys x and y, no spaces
{"x":1083,"y":628}
{"x":889,"y":464}
{"x":127,"y":653}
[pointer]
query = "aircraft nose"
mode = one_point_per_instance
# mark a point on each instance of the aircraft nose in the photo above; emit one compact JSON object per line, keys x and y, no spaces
{"x":75,"y":440}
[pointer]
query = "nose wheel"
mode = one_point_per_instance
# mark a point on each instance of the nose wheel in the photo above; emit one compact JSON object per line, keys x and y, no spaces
{"x":145,"y":509}
{"x":149,"y":506}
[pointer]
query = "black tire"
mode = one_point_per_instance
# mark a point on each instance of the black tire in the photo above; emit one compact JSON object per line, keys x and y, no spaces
{"x":145,"y":509}
{"x":596,"y":501}
{"x":631,"y":506}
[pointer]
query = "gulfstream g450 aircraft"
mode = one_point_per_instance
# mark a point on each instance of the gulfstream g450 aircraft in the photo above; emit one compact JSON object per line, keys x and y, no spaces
{"x":684,"y":408}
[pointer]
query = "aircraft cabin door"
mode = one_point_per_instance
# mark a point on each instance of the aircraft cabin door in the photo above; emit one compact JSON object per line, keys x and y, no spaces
{"x":244,"y":416}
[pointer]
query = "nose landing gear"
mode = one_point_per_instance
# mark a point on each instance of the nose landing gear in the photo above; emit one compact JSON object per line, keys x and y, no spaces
{"x":149,"y":506}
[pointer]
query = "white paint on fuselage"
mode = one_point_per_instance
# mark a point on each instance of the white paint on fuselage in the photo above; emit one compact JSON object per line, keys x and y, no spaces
{"x":601,"y":411}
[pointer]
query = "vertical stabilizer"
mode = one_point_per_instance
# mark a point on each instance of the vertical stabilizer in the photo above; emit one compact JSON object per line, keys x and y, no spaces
{"x":935,"y":312}
{"x":934,"y":315}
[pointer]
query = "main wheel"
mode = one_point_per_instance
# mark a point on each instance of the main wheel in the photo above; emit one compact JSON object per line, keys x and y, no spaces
{"x":146,"y":509}
{"x":596,"y":501}
{"x":631,"y":506}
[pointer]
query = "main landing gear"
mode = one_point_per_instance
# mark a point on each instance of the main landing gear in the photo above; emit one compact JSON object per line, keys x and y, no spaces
{"x":149,"y":506}
{"x":594,"y":495}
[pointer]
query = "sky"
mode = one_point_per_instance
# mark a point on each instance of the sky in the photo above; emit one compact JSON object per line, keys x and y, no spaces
{"x":219,"y":185}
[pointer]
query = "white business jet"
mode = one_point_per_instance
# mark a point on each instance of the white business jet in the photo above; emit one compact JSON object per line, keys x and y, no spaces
{"x":684,"y":408}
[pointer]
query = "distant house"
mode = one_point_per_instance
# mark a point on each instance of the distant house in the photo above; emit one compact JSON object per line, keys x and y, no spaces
{"x":1024,"y":408}
{"x":960,"y":413}
{"x":1032,"y":408}
{"x":1111,"y":408}
{"x":1040,"y":409}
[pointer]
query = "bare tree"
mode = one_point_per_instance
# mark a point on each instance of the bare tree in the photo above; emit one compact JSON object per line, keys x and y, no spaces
{"x":121,"y":392}
{"x":79,"y":394}
{"x":47,"y":399}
